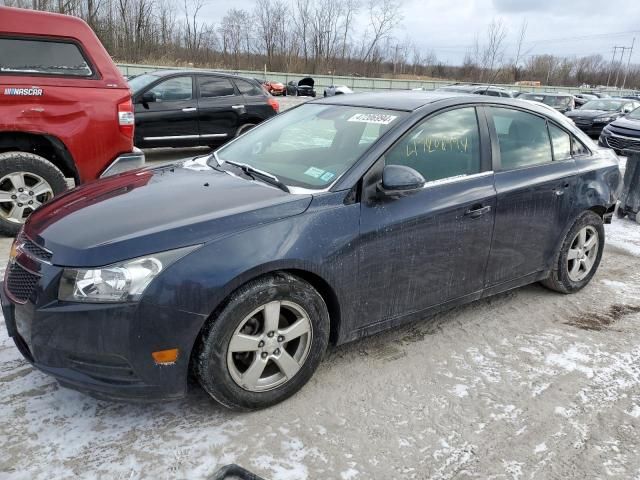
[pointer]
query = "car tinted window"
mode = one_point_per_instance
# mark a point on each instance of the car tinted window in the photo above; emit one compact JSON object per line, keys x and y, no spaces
{"x":522,"y":137}
{"x":215,"y":87}
{"x":177,"y":89}
{"x":42,"y":57}
{"x":578,"y":148}
{"x":248,"y":88}
{"x":444,"y":146}
{"x":561,"y":142}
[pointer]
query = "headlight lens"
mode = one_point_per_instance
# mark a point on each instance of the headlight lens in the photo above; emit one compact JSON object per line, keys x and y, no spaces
{"x":604,"y":119}
{"x":121,"y":282}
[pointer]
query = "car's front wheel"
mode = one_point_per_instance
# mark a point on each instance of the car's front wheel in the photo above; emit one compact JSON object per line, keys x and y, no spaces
{"x":264,"y":344}
{"x":579,"y":256}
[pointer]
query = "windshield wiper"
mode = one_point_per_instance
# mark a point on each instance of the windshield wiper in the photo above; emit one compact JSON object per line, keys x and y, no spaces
{"x":254,"y":172}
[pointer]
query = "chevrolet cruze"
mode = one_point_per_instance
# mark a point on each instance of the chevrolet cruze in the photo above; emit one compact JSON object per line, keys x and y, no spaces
{"x":335,"y":220}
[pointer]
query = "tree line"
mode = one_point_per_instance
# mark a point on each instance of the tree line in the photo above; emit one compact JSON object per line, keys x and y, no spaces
{"x":340,"y":37}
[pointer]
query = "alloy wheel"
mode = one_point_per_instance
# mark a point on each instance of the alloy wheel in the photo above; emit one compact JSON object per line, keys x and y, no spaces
{"x":21,"y":193}
{"x":270,"y":346}
{"x":582,"y":253}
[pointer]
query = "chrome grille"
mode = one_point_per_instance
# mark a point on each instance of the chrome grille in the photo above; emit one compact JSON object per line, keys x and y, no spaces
{"x":32,"y":248}
{"x":618,"y":143}
{"x":20,"y":283}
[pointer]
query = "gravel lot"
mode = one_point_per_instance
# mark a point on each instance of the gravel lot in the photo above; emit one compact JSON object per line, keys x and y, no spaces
{"x":528,"y":384}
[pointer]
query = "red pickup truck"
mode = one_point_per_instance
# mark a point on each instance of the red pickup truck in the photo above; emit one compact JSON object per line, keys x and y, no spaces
{"x":65,"y":111}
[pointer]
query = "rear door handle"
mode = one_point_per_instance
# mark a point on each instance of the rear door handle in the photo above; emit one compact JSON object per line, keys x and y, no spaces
{"x":560,"y":191}
{"x":477,"y":211}
{"x":189,"y":109}
{"x":237,"y":107}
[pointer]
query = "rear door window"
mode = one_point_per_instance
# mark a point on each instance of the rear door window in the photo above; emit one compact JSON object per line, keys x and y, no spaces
{"x":211,"y":87}
{"x":522,"y":137}
{"x":561,"y":142}
{"x":42,"y":57}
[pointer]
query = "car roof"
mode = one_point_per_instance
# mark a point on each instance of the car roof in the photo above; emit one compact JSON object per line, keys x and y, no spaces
{"x":167,"y":72}
{"x":405,"y":100}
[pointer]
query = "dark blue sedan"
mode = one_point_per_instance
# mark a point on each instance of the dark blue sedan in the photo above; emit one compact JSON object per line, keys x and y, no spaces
{"x":335,"y":220}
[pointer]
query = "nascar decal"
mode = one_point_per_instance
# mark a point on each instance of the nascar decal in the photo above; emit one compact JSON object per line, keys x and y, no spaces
{"x":24,"y":92}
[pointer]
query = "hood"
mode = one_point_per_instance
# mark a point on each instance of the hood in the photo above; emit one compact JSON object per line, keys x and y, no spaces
{"x":147,"y":211}
{"x":306,"y":82}
{"x":579,"y":113}
{"x":627,"y":123}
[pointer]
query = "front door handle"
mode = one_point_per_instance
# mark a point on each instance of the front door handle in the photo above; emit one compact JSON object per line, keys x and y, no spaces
{"x":477,"y":211}
{"x":237,"y":107}
{"x":189,"y":109}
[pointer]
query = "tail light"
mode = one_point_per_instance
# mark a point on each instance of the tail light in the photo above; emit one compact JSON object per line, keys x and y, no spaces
{"x":126,"y":120}
{"x":274,"y":104}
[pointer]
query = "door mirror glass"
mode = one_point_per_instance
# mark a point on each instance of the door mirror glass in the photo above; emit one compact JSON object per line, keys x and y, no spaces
{"x":398,"y":179}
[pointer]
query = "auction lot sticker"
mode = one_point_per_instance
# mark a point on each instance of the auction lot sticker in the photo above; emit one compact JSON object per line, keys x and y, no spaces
{"x":379,"y":118}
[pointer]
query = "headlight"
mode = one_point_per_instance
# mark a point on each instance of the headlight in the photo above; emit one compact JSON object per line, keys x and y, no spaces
{"x":604,"y":119}
{"x":121,"y":282}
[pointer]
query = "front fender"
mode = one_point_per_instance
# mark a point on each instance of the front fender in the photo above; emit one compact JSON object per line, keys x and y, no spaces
{"x":320,"y":241}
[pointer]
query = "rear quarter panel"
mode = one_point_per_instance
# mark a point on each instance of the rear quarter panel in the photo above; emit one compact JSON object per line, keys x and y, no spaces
{"x":599,"y":180}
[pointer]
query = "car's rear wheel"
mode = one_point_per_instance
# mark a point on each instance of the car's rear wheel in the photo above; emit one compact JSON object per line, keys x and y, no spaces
{"x":265,"y":344}
{"x":26,"y":182}
{"x":579,"y":256}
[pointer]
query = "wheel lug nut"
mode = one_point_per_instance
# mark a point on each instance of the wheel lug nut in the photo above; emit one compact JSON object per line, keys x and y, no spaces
{"x":30,"y":193}
{"x":264,"y":355}
{"x":13,"y":197}
{"x":30,"y":202}
{"x":21,"y":189}
{"x":280,"y":338}
{"x":261,"y":344}
{"x":270,"y":334}
{"x":276,"y":351}
{"x":19,"y":204}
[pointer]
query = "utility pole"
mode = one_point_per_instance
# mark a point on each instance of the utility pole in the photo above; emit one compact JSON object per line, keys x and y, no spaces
{"x":626,"y":72}
{"x":613,"y":59}
{"x":619,"y":65}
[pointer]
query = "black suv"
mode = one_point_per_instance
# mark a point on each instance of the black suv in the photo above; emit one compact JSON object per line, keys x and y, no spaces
{"x":180,"y":108}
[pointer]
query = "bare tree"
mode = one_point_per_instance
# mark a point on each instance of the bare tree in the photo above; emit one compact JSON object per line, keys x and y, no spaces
{"x":519,"y":52}
{"x":384,"y":16}
{"x":493,"y":52}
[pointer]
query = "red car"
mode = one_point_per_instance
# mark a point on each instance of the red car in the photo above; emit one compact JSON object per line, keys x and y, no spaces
{"x":66,"y":111}
{"x":275,"y":88}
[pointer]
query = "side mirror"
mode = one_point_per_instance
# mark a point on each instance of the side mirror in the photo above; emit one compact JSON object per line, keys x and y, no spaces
{"x":148,"y":97}
{"x":398,"y":180}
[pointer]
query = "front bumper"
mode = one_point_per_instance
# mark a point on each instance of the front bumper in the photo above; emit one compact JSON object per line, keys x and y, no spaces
{"x":125,"y":162}
{"x":618,"y":143}
{"x":103,"y":350}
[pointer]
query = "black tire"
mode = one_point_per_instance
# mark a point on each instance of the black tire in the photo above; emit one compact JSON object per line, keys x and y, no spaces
{"x":559,"y":279}
{"x":211,"y":350}
{"x":620,"y":213}
{"x":284,"y":93}
{"x":244,"y":128}
{"x":13,"y":162}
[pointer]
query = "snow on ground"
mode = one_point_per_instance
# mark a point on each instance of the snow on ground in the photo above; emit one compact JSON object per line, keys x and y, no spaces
{"x":525,"y":385}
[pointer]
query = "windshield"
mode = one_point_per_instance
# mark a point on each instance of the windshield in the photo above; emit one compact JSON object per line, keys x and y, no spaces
{"x":551,"y":100}
{"x":138,"y":83}
{"x":605,"y":105}
{"x":635,"y":114}
{"x":313,"y":145}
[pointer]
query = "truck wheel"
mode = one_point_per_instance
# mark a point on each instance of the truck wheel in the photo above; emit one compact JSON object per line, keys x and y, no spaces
{"x":264,"y":344}
{"x":26,"y":182}
{"x":579,"y":256}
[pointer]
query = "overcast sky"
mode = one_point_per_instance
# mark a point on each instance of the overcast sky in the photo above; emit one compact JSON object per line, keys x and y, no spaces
{"x":561,"y":27}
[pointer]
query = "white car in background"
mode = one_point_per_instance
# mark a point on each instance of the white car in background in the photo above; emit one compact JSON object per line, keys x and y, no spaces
{"x":337,"y":90}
